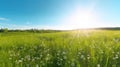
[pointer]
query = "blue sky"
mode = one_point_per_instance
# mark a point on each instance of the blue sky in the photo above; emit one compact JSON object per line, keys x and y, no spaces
{"x":59,"y":14}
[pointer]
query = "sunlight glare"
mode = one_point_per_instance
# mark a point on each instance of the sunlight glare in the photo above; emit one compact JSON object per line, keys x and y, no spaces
{"x":81,"y":18}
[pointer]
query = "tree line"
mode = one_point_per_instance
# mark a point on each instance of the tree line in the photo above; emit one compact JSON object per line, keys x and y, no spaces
{"x":29,"y":30}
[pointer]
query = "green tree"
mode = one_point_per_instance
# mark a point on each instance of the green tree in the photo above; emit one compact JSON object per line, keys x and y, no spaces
{"x":5,"y":29}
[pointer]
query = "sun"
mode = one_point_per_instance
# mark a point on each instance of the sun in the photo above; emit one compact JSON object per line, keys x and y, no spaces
{"x":81,"y":18}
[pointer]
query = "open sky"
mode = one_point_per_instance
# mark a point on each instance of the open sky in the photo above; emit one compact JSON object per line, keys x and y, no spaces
{"x":59,"y":14}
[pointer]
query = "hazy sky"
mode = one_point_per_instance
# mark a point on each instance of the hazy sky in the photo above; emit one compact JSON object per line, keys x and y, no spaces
{"x":59,"y":14}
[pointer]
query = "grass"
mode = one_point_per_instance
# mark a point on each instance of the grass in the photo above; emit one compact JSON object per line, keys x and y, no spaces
{"x":88,"y":48}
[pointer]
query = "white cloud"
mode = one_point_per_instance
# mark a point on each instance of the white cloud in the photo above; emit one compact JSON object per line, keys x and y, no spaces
{"x":1,"y":18}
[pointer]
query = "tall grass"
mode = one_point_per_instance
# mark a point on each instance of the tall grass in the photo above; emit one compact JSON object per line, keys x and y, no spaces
{"x":90,"y":48}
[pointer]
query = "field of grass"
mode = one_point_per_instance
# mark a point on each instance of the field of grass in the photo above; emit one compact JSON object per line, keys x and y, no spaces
{"x":88,"y":48}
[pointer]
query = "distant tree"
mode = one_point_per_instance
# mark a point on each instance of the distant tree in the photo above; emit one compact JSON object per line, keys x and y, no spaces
{"x":4,"y":30}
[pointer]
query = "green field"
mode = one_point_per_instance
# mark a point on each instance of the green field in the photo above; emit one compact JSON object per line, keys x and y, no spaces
{"x":87,"y":48}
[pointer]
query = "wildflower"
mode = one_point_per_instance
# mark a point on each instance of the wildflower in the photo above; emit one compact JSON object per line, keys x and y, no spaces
{"x":118,"y":52}
{"x":58,"y":64}
{"x":61,"y":59}
{"x":37,"y":58}
{"x":64,"y":57}
{"x":98,"y":65}
{"x":22,"y":58}
{"x":116,"y":57}
{"x":64,"y":52}
{"x":113,"y":52}
{"x":47,"y":58}
{"x":88,"y":57}
{"x":68,"y":62}
{"x":33,"y":59}
{"x":58,"y":54}
{"x":79,"y":53}
{"x":19,"y":61}
{"x":41,"y":55}
{"x":82,"y":56}
{"x":27,"y":57}
{"x":43,"y":64}
{"x":10,"y":58}
{"x":113,"y":58}
{"x":37,"y":65}
{"x":73,"y":64}
{"x":48,"y":54}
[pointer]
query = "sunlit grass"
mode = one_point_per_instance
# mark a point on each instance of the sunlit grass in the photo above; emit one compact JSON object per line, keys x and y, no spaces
{"x":86,"y":48}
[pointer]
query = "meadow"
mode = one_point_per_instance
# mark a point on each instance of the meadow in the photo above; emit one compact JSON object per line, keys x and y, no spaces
{"x":80,"y":48}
